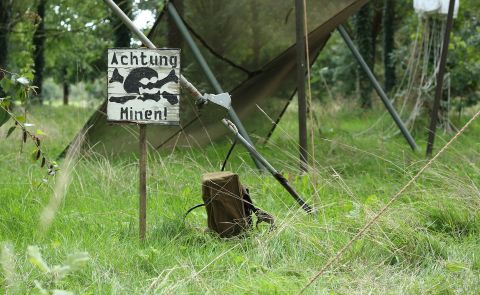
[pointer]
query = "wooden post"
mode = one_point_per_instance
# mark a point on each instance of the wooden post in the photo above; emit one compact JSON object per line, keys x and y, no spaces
{"x":440,"y":76}
{"x":142,"y":216}
{"x":301,"y":70}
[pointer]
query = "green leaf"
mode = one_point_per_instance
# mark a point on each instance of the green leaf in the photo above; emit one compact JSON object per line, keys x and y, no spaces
{"x":5,"y":103}
{"x":35,"y":155}
{"x":6,"y":84}
{"x":10,"y":131}
{"x":23,"y":80}
{"x":40,"y":132}
{"x":20,"y":119}
{"x":4,"y":117}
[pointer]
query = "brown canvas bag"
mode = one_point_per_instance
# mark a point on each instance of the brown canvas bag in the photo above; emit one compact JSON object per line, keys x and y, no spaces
{"x":228,"y":204}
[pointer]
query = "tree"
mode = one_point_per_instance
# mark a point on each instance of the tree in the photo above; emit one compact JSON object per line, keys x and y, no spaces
{"x":389,"y":44}
{"x":5,"y":16}
{"x":39,"y":44}
{"x":76,"y":42}
{"x":121,"y":31}
{"x":364,"y":40}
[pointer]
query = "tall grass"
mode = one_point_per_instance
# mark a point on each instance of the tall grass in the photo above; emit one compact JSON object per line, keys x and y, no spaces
{"x":427,"y":243}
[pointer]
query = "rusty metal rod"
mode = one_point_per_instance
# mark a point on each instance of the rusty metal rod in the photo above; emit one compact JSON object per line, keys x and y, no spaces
{"x":301,"y":70}
{"x":279,"y":177}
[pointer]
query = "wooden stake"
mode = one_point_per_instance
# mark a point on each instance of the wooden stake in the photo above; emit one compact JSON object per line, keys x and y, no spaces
{"x":301,"y":70}
{"x":440,"y":75}
{"x":142,"y":217}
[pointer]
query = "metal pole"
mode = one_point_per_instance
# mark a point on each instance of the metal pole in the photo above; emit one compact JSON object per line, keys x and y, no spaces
{"x":207,"y":71}
{"x":301,"y":69}
{"x":142,"y":216}
{"x":279,"y":177}
{"x":440,"y":76}
{"x":197,"y":95}
{"x":378,"y":88}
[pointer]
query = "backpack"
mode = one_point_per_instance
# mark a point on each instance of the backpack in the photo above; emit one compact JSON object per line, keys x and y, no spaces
{"x":228,"y":204}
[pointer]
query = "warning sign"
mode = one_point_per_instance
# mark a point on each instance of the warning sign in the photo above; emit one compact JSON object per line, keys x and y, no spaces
{"x":143,"y":85}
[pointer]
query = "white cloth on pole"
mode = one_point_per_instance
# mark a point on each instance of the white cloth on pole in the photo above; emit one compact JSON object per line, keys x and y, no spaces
{"x":444,"y":7}
{"x":426,"y":6}
{"x":434,"y":6}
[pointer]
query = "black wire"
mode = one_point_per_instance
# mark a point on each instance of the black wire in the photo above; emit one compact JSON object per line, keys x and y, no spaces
{"x":228,"y":154}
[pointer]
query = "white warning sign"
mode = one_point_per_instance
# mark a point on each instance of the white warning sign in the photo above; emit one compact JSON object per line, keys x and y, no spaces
{"x":143,"y":85}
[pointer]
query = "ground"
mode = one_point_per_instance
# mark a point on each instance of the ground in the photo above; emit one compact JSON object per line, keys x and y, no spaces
{"x":428,"y":242}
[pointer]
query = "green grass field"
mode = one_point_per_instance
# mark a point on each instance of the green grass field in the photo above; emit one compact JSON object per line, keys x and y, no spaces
{"x":427,"y":243}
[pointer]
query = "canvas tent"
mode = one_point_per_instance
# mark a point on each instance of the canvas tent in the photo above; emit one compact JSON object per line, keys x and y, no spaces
{"x":253,"y":57}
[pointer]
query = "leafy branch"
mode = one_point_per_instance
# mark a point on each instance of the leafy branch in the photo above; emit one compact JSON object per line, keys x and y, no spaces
{"x":26,"y":134}
{"x":23,"y":89}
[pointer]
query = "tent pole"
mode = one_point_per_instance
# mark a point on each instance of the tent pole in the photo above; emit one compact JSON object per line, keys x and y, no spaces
{"x":208,"y":72}
{"x":378,"y":88}
{"x":197,"y":95}
{"x":440,"y":76}
{"x":301,"y":69}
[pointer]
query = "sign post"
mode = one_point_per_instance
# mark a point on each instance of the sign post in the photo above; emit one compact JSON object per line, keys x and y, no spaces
{"x":143,"y":88}
{"x":142,"y":209}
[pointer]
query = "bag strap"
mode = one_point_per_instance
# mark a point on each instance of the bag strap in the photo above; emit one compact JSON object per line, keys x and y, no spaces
{"x":262,"y":216}
{"x":191,"y":209}
{"x":229,"y":154}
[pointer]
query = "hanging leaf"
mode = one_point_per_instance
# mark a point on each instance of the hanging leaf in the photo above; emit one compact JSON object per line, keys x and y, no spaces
{"x":43,"y":162}
{"x":5,"y":103}
{"x":20,"y":119}
{"x":35,"y":153}
{"x":4,"y":117}
{"x":10,"y":131}
{"x":24,"y":81}
{"x":37,"y":140}
{"x":24,"y":136}
{"x":37,"y":156}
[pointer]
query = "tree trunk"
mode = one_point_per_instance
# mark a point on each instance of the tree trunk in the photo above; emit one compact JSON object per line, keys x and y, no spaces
{"x":377,"y":21}
{"x":389,"y":44}
{"x":121,"y":32}
{"x":38,"y":53}
{"x":363,"y":26}
{"x":66,"y":92}
{"x":174,"y":37}
{"x":5,"y":15}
